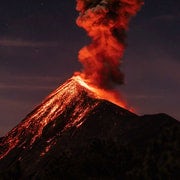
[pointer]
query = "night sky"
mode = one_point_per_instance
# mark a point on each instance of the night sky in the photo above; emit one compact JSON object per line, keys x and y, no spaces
{"x":39,"y":43}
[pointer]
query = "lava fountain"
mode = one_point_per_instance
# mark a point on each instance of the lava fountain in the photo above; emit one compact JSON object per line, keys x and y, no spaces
{"x":106,"y":23}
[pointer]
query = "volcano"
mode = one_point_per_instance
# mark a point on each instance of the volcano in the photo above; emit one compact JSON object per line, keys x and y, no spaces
{"x":76,"y":134}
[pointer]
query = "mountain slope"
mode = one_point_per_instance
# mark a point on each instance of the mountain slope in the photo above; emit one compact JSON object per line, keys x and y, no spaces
{"x":70,"y":95}
{"x":74,"y":134}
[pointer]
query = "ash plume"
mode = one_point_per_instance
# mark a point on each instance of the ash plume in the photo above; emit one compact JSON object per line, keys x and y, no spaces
{"x":106,"y":22}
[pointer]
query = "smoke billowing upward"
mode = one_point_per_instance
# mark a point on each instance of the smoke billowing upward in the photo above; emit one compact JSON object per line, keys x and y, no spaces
{"x":106,"y":22}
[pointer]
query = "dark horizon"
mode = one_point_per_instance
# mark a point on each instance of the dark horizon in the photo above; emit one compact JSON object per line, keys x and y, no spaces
{"x":39,"y":43}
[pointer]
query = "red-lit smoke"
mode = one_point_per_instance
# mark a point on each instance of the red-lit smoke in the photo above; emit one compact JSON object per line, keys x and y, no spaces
{"x":106,"y":22}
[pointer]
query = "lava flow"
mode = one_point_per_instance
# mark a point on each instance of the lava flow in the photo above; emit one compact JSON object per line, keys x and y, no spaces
{"x":72,"y":101}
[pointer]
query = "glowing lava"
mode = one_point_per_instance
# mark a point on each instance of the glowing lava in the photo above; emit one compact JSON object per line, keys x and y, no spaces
{"x":75,"y":95}
{"x":101,"y":93}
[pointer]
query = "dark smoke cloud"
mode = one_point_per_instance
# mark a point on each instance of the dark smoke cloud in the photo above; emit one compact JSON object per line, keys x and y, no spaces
{"x":106,"y":22}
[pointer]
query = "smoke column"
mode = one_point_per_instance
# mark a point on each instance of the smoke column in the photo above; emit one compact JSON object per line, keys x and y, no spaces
{"x":106,"y":22}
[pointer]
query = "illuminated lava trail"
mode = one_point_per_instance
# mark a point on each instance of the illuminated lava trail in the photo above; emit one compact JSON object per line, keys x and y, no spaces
{"x":106,"y":22}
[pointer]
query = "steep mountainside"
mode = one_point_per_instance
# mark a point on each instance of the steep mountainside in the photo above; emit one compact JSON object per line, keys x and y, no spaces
{"x":73,"y":134}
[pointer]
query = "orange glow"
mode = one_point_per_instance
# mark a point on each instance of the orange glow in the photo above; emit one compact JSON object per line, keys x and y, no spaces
{"x":100,"y":93}
{"x":106,"y":23}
